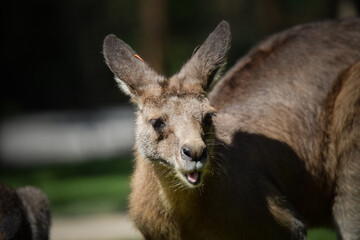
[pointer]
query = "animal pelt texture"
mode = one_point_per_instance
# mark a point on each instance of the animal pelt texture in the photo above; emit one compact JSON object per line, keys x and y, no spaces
{"x":271,"y":150}
{"x":24,"y":214}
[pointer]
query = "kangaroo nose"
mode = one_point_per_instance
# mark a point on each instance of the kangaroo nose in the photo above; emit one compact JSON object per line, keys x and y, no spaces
{"x":193,"y":153}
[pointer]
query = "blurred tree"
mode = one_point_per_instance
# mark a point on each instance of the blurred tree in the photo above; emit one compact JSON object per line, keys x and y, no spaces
{"x":51,"y":50}
{"x":153,"y":26}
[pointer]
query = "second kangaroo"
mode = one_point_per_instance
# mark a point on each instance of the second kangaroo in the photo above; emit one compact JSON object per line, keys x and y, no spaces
{"x":271,"y":150}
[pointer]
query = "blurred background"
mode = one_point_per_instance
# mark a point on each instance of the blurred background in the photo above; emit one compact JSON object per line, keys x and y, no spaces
{"x":66,"y":128}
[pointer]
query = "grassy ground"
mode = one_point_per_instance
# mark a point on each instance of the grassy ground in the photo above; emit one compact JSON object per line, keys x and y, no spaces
{"x":80,"y":188}
{"x":90,"y":187}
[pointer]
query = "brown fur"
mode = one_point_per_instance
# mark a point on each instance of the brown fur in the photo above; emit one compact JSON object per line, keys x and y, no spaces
{"x":24,"y":214}
{"x":282,"y":152}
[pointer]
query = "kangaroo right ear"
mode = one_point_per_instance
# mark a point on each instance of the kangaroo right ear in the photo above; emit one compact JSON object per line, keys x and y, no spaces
{"x":133,"y":75}
{"x":207,"y":59}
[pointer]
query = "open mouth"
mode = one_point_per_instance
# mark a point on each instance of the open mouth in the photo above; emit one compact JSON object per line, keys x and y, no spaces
{"x":194,"y":178}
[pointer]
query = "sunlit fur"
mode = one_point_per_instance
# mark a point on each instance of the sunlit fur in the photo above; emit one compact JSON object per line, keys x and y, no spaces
{"x":179,"y":112}
{"x":283,"y":148}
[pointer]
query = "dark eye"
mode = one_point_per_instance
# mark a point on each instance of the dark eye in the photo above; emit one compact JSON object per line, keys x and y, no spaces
{"x":207,"y":121}
{"x":158,"y":124}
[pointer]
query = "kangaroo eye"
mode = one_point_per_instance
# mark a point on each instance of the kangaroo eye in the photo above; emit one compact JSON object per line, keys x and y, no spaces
{"x":158,"y":124}
{"x":207,"y":121}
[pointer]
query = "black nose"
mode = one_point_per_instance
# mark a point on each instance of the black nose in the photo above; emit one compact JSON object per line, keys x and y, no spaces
{"x":193,"y":154}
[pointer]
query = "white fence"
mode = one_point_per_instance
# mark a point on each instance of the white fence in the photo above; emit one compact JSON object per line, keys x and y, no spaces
{"x":66,"y":136}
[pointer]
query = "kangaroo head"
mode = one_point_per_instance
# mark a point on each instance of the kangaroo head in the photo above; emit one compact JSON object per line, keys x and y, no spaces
{"x":174,"y":118}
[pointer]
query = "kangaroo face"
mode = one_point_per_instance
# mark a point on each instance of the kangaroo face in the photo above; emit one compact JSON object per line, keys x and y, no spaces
{"x":177,"y":134}
{"x":174,"y":118}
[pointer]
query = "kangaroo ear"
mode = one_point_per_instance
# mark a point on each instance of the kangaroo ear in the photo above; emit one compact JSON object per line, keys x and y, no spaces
{"x":133,"y":75}
{"x":207,"y":60}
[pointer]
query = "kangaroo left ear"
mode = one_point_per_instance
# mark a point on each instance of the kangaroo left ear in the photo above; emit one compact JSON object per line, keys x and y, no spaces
{"x":133,"y":75}
{"x":207,"y":60}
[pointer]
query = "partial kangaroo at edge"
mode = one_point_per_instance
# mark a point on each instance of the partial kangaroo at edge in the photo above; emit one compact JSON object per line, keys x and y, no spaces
{"x":24,"y":214}
{"x":271,"y":150}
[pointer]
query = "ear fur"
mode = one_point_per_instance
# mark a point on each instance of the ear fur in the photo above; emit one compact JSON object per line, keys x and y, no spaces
{"x":132,"y":74}
{"x":208,"y":60}
{"x":124,"y":87}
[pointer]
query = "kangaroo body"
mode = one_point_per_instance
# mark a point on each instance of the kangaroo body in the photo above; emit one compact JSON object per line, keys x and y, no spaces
{"x":282,"y":153}
{"x":277,"y":109}
{"x":24,"y":214}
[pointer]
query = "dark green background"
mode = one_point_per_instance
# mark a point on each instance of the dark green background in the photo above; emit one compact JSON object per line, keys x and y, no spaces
{"x":51,"y":50}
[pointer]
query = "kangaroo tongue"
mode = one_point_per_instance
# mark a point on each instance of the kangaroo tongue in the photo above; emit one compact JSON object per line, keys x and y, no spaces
{"x":192,"y":177}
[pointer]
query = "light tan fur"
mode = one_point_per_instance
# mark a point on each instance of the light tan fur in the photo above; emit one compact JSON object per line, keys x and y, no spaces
{"x":281,"y":154}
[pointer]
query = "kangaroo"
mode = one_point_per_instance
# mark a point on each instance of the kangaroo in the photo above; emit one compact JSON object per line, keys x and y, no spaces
{"x":264,"y":153}
{"x":24,"y":214}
